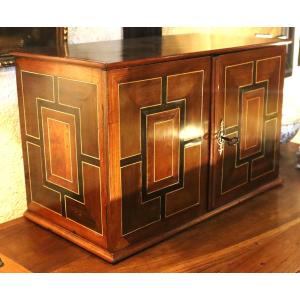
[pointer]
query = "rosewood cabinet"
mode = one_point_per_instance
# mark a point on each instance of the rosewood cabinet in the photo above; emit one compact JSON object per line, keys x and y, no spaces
{"x":126,"y":147}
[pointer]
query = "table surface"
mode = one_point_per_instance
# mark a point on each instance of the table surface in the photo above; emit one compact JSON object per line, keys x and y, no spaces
{"x":259,"y":235}
{"x":126,"y":52}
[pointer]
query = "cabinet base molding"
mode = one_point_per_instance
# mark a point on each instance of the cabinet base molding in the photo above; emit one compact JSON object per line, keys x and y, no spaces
{"x":70,"y":236}
{"x":114,"y":257}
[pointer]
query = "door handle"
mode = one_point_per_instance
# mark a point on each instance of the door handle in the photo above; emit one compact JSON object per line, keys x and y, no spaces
{"x":232,"y":141}
{"x":221,"y":138}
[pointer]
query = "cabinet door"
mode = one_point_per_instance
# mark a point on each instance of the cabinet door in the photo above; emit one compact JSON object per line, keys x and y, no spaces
{"x":246,"y":122}
{"x":159,"y":120}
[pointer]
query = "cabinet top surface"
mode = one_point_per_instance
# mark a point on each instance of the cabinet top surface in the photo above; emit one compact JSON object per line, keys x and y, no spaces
{"x":130,"y":52}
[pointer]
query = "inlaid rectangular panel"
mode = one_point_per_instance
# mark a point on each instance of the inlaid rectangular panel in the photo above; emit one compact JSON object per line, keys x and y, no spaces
{"x":163,"y":149}
{"x":247,"y":108}
{"x":252,"y":122}
{"x":59,"y":142}
{"x":60,"y":149}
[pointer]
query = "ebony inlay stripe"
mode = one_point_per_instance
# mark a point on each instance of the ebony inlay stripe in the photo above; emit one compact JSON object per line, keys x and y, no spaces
{"x":63,"y":204}
{"x":90,"y":160}
{"x":33,"y":140}
{"x":131,"y":160}
{"x":165,"y":190}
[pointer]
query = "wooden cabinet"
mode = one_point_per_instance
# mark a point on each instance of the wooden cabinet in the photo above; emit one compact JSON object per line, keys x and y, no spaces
{"x":122,"y":154}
